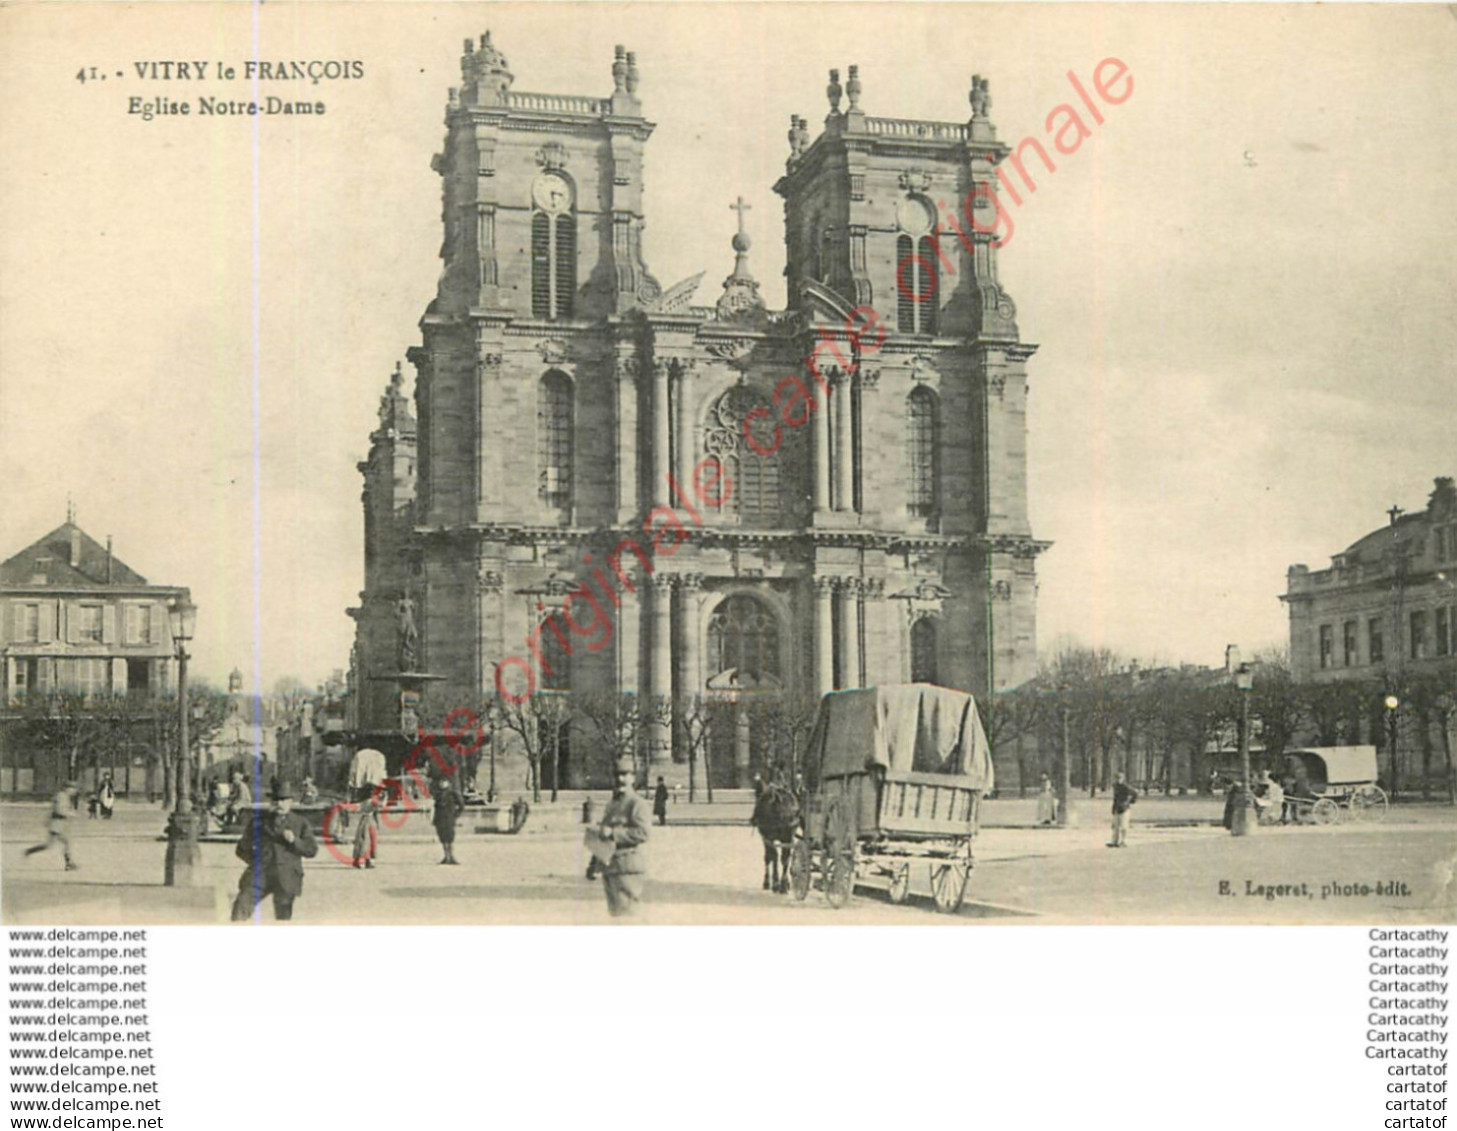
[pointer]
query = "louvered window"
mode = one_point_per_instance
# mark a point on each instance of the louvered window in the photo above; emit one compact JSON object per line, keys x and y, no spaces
{"x":553,"y":265}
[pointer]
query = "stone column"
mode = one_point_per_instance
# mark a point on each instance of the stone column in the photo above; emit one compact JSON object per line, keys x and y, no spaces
{"x":627,"y":446}
{"x":662,"y":434}
{"x":684,"y":470}
{"x":488,"y":472}
{"x":690,"y":669}
{"x":850,"y":632}
{"x":844,"y":447}
{"x":824,"y":635}
{"x":660,"y":665}
{"x":821,"y":455}
{"x":742,"y":743}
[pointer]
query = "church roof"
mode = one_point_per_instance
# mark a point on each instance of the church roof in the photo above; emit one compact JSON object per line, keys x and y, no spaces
{"x":51,"y":556}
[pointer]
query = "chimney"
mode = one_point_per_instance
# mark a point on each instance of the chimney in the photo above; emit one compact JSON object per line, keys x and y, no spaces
{"x":75,"y":547}
{"x":108,"y":559}
{"x":1231,"y":659}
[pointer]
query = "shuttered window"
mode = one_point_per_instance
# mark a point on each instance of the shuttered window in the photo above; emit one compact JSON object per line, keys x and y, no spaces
{"x":553,"y":265}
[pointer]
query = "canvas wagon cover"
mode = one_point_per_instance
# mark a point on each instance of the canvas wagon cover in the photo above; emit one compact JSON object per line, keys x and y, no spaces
{"x":1343,"y":765}
{"x":911,"y":728}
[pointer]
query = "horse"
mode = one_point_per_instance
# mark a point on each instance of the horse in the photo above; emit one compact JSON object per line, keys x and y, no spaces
{"x":776,"y":817}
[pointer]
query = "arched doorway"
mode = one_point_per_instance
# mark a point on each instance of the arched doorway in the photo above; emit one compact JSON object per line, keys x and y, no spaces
{"x":744,"y":657}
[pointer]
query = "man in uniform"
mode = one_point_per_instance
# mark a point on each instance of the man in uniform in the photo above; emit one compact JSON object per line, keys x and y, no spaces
{"x":273,"y":845}
{"x":625,"y":824}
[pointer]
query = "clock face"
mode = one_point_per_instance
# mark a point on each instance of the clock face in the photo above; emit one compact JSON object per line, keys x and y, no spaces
{"x":552,"y":193}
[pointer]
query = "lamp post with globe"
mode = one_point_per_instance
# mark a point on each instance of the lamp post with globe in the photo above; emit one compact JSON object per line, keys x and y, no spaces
{"x":183,"y":854}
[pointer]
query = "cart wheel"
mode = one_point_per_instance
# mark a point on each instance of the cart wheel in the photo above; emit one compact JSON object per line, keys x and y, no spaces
{"x":1369,"y":803}
{"x":840,"y":878}
{"x":1325,"y":812}
{"x":801,"y":868}
{"x":900,"y":883}
{"x":948,"y":886}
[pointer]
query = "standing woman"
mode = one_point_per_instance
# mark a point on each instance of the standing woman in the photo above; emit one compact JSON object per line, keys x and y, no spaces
{"x":447,"y":808}
{"x":106,"y":797}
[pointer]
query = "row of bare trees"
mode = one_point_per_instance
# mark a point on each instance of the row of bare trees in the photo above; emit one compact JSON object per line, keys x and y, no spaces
{"x":594,"y":730}
{"x":1163,"y":726}
{"x":63,"y":734}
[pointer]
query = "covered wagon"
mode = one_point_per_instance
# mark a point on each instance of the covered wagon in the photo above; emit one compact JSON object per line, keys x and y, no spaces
{"x":896,"y":776}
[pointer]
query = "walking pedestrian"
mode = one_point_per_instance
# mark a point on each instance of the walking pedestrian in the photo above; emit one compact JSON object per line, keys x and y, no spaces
{"x":447,"y":808}
{"x":1046,"y":803}
{"x":625,"y":825}
{"x":660,"y":801}
{"x":366,"y":835}
{"x":65,"y":799}
{"x":106,"y":798}
{"x":274,"y":845}
{"x":1124,"y":795}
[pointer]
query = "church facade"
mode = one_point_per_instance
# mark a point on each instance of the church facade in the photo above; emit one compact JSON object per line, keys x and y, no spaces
{"x":603,"y":487}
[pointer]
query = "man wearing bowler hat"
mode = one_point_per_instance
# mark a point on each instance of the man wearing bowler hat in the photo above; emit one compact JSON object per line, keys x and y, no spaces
{"x":625,"y":824}
{"x":273,"y":845}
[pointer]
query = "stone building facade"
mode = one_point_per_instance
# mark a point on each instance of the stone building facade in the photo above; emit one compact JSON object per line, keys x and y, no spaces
{"x":76,"y":619}
{"x":605,"y":487}
{"x":1388,"y":603}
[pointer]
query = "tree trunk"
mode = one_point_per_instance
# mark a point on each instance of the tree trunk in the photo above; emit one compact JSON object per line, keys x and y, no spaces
{"x":1445,"y":717}
{"x":1424,"y":720}
{"x":556,"y":760}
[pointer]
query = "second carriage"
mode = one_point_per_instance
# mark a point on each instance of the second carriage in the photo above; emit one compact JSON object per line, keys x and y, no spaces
{"x":1334,"y":783}
{"x":897,"y":775}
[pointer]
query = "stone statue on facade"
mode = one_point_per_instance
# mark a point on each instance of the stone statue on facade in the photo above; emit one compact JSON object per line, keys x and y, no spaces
{"x":409,"y":632}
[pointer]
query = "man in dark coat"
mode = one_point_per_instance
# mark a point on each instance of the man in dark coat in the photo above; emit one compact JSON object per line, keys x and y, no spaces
{"x":273,"y":845}
{"x":447,"y":808}
{"x":1124,"y":795}
{"x":660,"y":801}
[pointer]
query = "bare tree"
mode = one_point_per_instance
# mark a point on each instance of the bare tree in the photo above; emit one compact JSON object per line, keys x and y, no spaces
{"x":619,"y":721}
{"x":538,"y":721}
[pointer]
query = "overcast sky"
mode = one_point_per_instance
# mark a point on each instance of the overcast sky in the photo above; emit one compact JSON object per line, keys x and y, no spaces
{"x":1242,"y":284}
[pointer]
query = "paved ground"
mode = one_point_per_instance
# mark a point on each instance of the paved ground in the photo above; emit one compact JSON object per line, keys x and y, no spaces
{"x":710,"y":873}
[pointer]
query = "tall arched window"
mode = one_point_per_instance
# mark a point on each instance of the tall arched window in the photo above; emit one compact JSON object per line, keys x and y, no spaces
{"x":923,"y":651}
{"x":921,"y":485}
{"x":553,"y":264}
{"x":744,"y":636}
{"x":556,"y":661}
{"x":917,"y":280}
{"x":554,"y":438}
{"x":754,"y":494}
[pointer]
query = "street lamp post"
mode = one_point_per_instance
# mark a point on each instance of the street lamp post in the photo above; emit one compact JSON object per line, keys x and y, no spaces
{"x":1392,"y":705}
{"x":183,"y":854}
{"x":1240,"y":823}
{"x":1064,"y":764}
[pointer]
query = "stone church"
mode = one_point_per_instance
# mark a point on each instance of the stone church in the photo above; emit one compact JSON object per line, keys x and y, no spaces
{"x":751,"y":502}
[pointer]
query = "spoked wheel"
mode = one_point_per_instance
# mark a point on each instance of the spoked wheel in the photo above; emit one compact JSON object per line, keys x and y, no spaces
{"x":1325,"y":811}
{"x":840,"y":878}
{"x":1369,"y":803}
{"x":801,"y":869}
{"x":948,"y":884}
{"x":900,"y":883}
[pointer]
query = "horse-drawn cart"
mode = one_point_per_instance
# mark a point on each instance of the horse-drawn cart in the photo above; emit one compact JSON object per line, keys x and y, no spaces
{"x":1335,"y":783}
{"x":897,"y":775}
